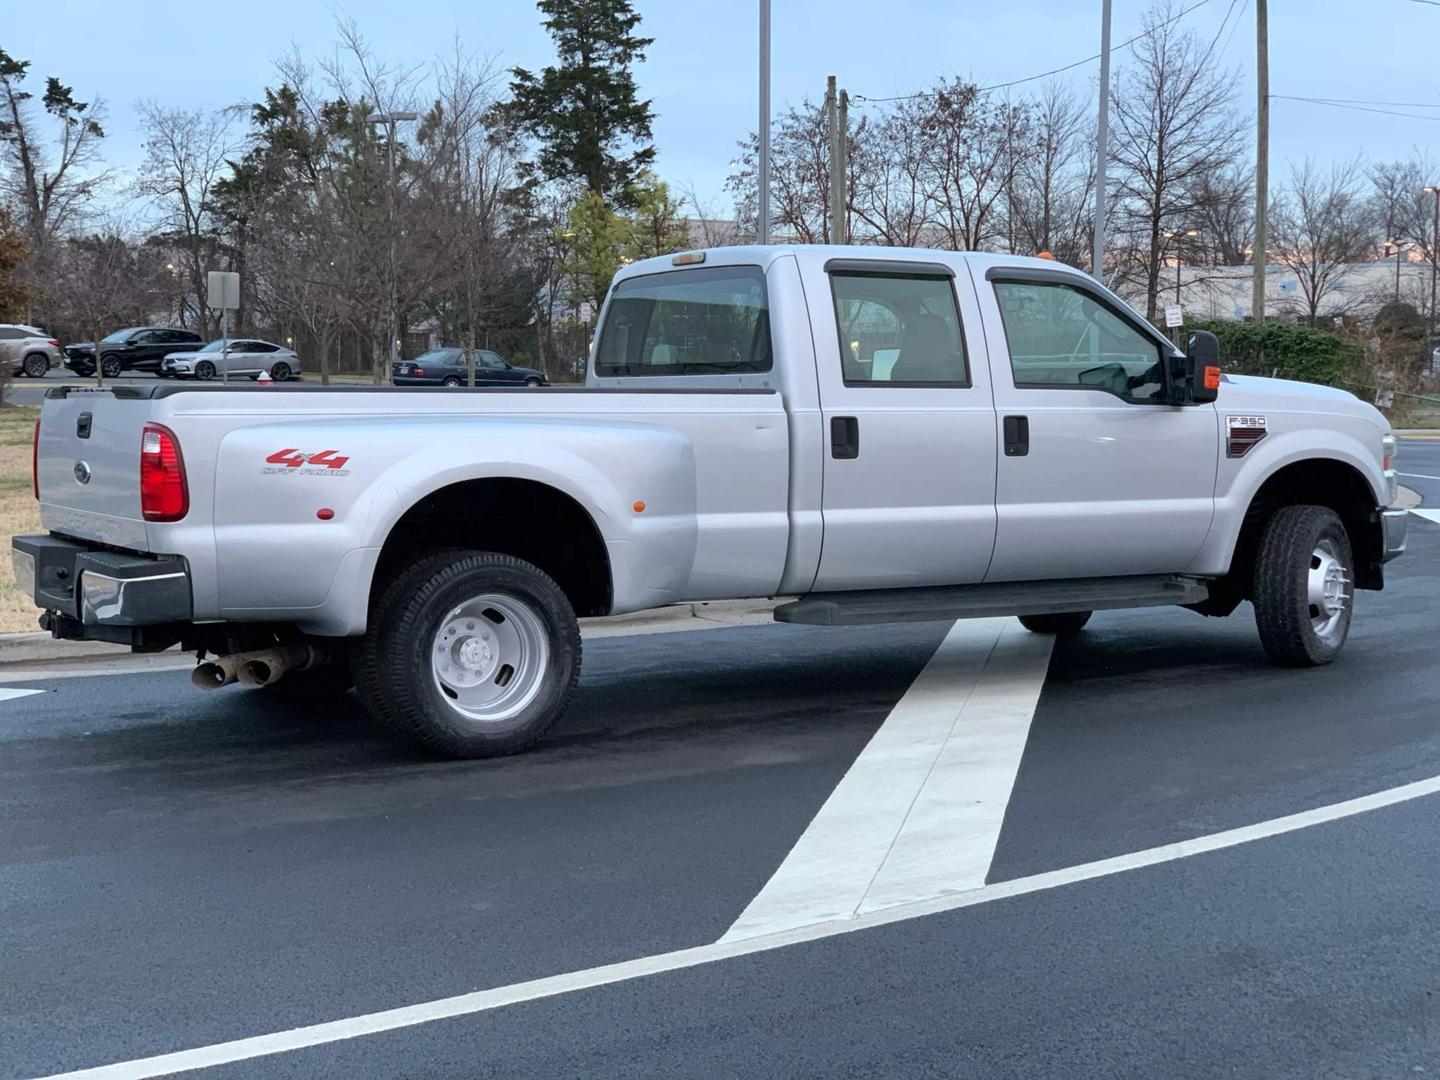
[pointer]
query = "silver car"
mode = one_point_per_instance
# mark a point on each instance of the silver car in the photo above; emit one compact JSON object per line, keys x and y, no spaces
{"x":28,"y":350}
{"x":242,"y":356}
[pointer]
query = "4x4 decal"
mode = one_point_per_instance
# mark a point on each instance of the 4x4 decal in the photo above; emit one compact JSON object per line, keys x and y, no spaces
{"x":295,"y":462}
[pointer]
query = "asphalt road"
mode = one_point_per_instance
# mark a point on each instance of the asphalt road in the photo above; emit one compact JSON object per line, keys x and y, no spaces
{"x":180,"y":869}
{"x":1419,"y":466}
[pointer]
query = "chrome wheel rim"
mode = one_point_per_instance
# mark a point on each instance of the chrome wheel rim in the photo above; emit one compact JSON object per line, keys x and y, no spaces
{"x":1328,"y":591}
{"x":36,"y":367}
{"x":488,"y":657}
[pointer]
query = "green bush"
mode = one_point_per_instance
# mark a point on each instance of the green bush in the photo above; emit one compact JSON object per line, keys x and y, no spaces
{"x":1285,"y":351}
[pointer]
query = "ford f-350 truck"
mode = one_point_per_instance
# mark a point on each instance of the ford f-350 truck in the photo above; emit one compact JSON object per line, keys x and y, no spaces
{"x":881,"y":434}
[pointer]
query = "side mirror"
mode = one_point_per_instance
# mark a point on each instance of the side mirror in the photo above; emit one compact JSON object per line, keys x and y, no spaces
{"x":1197,"y":375}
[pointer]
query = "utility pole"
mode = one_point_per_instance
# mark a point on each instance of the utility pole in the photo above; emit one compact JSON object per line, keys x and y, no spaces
{"x":1262,"y":156}
{"x":1102,"y":135}
{"x":842,"y":173}
{"x":762,"y":230}
{"x":1434,"y":253}
{"x":390,"y":120}
{"x":832,"y":135}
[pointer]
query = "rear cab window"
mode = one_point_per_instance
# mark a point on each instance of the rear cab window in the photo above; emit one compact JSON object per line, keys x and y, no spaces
{"x":711,"y":320}
{"x":899,"y":329}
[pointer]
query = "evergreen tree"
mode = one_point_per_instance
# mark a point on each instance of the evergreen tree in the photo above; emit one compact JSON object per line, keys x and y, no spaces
{"x":584,"y":111}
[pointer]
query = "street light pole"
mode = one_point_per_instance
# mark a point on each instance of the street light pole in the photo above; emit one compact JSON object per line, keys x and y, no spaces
{"x":1434,"y":253}
{"x":762,"y":230}
{"x":390,"y":120}
{"x":1102,"y":134}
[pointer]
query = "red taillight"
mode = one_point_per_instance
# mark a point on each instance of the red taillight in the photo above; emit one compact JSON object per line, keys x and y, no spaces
{"x":55,"y":342}
{"x":35,"y":461}
{"x":164,"y":495}
{"x":418,"y":371}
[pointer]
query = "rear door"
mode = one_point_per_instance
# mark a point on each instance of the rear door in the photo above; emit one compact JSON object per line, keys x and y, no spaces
{"x":1098,"y":476}
{"x":909,"y":473}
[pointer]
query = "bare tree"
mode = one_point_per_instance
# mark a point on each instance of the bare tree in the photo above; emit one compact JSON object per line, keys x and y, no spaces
{"x":967,"y":148}
{"x":186,"y":155}
{"x":1173,"y":123}
{"x":799,"y":175}
{"x":1321,"y":223}
{"x":891,"y":192}
{"x":98,"y":280}
{"x":1054,"y":177}
{"x":1223,"y":211}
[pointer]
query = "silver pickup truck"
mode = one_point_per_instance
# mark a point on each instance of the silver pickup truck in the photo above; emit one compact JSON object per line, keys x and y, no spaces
{"x":882,"y":434}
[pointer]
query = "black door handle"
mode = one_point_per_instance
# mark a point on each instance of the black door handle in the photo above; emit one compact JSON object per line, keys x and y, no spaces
{"x":1017,"y":436}
{"x":844,"y":437}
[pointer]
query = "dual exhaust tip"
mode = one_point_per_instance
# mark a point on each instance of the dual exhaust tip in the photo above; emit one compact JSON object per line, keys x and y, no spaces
{"x":263,"y":667}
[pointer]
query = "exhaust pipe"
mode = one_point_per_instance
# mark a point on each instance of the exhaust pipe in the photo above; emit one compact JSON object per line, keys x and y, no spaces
{"x":268,"y":666}
{"x":218,"y":672}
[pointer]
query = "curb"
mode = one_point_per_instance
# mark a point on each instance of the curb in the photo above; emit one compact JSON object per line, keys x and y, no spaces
{"x":39,"y":647}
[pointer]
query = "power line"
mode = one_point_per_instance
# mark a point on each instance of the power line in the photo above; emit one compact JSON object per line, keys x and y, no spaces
{"x":1358,"y":108}
{"x":1053,"y":71}
{"x":1368,"y":101}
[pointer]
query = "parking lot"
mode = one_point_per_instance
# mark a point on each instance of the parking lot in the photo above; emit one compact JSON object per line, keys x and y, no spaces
{"x":754,"y":851}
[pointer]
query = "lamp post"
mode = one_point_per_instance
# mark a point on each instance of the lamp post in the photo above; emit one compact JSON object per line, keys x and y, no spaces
{"x":1434,"y":252}
{"x":390,"y":120}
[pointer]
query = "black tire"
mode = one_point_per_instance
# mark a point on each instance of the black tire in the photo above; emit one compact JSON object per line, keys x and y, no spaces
{"x":1068,"y":622}
{"x":35,"y":365}
{"x":394,"y":666}
{"x":280,"y":371}
{"x":1294,"y":631}
{"x":204,"y":371}
{"x":532,"y":381}
{"x":451,"y":380}
{"x":111,"y":367}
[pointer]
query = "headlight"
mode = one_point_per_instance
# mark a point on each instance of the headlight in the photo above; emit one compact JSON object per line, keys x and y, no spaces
{"x":1390,"y":447}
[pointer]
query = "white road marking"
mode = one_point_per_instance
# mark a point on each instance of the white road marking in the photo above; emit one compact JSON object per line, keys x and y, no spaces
{"x":485,"y":1000}
{"x":1418,"y":476}
{"x":85,"y":669}
{"x":10,"y":695}
{"x":919,"y":811}
{"x":1432,"y":516}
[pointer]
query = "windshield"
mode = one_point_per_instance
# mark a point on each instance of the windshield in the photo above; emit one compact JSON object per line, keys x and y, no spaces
{"x":212,"y":346}
{"x":118,"y":335}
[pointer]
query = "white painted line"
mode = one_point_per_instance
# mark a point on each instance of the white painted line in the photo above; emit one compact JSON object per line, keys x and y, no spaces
{"x":10,"y":695}
{"x":1432,"y":516}
{"x":1418,"y":476}
{"x":485,"y":1000}
{"x":921,"y":806}
{"x":86,"y":669}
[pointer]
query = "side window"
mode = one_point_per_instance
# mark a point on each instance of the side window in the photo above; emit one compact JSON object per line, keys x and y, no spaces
{"x":711,"y":320}
{"x":489,"y":360}
{"x":899,"y":330}
{"x":1061,"y":336}
{"x":259,"y":346}
{"x":10,"y":334}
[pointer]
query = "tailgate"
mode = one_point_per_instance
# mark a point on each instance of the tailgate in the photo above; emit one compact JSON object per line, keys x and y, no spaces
{"x":89,"y":466}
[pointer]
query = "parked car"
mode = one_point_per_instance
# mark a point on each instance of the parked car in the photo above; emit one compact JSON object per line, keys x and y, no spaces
{"x":242,"y":356}
{"x":28,"y":350}
{"x":887,"y":435}
{"x":446,"y":367}
{"x":139,"y":348}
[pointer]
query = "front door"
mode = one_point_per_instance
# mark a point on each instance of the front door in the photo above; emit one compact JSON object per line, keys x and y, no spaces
{"x":1098,"y":476}
{"x":908,"y":423}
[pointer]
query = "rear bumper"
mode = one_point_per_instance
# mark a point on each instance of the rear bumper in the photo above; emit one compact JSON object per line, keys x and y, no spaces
{"x":92,"y":593}
{"x":1394,"y":528}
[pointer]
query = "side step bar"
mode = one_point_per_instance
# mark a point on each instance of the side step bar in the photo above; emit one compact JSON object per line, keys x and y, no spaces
{"x":998,"y":598}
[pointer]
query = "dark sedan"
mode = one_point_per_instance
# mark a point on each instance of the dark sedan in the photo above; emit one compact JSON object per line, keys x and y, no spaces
{"x":140,"y":348}
{"x":446,"y":367}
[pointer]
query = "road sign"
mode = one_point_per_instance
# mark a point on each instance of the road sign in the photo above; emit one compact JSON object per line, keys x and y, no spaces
{"x":1174,"y":316}
{"x":224,"y":290}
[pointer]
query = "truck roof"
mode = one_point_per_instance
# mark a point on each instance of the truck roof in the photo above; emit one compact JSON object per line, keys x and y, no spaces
{"x":764,"y":254}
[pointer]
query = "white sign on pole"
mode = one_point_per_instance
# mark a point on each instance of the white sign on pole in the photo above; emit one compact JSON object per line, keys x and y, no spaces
{"x":1174,"y":316}
{"x":224,"y":288}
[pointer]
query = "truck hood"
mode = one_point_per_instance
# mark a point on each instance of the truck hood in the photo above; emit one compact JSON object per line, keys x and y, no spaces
{"x":1245,"y":393}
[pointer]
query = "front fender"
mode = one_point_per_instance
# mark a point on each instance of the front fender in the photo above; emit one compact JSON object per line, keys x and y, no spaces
{"x":280,"y":557}
{"x":1351,"y":442}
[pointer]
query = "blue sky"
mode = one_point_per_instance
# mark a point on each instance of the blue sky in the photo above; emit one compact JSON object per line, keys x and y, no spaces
{"x":701,"y":71}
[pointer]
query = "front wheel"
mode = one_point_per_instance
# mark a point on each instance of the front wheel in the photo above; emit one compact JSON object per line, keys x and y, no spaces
{"x":473,"y":654}
{"x":111,"y":367}
{"x":36,"y":366}
{"x":532,"y":381}
{"x":1304,"y":586}
{"x":205,"y":371}
{"x":1068,"y":622}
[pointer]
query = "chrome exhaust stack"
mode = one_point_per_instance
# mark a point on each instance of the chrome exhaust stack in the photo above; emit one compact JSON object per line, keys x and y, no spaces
{"x":219,"y":672}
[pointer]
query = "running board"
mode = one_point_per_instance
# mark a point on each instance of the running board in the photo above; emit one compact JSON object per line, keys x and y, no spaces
{"x":998,"y":598}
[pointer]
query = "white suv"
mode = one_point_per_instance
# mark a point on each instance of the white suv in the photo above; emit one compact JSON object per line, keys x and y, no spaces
{"x":28,"y":350}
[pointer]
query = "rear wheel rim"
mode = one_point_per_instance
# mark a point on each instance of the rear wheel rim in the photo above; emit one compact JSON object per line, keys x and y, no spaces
{"x":1328,"y":591}
{"x":489,"y":656}
{"x":280,"y":372}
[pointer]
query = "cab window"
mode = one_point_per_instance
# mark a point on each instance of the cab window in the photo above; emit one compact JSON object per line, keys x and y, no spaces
{"x":1061,"y":337}
{"x":898,"y":330}
{"x":711,"y":320}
